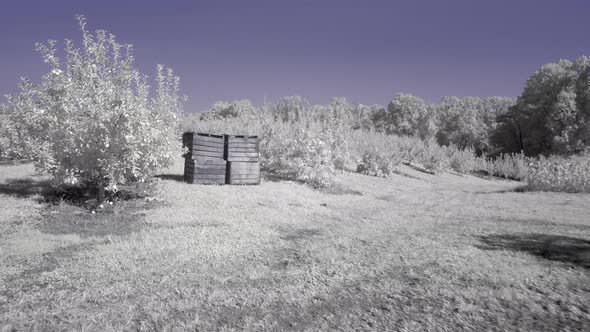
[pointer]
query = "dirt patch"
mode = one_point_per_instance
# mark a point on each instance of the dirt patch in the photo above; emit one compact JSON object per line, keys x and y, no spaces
{"x":299,"y":234}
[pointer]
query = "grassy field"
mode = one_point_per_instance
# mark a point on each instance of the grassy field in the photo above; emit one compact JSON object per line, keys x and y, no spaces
{"x":411,"y":252}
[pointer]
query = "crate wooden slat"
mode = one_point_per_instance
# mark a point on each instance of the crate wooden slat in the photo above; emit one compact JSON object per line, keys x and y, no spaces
{"x":244,"y":159}
{"x":200,"y":170}
{"x":191,"y":138}
{"x":204,"y":145}
{"x":204,"y":170}
{"x":205,"y":167}
{"x":255,"y":177}
{"x":198,"y":147}
{"x":246,"y":181}
{"x":201,"y":160}
{"x":243,"y":172}
{"x":247,"y":167}
{"x":210,"y":154}
{"x":220,"y":177}
{"x":205,"y":181}
{"x":214,"y":179}
{"x":242,"y":138}
{"x":209,"y":144}
{"x":242,"y":148}
{"x":242,"y":154}
{"x":234,"y":145}
{"x":238,"y":150}
{"x":210,"y":138}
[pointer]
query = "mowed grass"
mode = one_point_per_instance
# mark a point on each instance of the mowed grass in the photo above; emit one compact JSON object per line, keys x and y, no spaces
{"x":411,"y":252}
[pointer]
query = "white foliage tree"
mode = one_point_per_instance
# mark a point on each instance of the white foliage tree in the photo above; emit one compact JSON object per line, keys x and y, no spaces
{"x":470,"y":121}
{"x":96,"y":121}
{"x":410,"y":115}
{"x":552,"y":114}
{"x":225,"y":110}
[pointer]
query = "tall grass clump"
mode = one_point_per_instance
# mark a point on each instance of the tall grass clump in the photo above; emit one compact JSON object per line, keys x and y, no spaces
{"x":560,"y":174}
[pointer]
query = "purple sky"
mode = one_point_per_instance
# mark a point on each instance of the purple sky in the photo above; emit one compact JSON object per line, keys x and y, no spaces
{"x":366,"y":51}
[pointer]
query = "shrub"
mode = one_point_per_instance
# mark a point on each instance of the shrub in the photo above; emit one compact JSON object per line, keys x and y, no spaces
{"x":380,"y":155}
{"x":93,"y":119}
{"x":511,"y":166}
{"x":482,"y":164}
{"x":461,"y":160}
{"x":21,"y":124}
{"x":434,"y":158}
{"x":298,"y":153}
{"x":560,"y":174}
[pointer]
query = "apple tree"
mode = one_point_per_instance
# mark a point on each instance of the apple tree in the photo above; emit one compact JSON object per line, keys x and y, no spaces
{"x":93,"y":119}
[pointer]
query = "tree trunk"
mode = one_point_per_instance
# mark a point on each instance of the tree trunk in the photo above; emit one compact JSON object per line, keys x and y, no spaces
{"x":100,"y":192}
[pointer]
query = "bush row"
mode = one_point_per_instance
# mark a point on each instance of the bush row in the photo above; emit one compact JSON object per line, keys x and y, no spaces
{"x":314,"y":142}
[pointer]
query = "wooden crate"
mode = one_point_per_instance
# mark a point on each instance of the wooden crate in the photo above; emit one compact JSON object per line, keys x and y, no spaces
{"x":240,"y":172}
{"x":203,"y":170}
{"x":241,"y":148}
{"x":204,"y":145}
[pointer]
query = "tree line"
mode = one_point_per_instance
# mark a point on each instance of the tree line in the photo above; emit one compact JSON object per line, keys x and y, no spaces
{"x":551,"y":117}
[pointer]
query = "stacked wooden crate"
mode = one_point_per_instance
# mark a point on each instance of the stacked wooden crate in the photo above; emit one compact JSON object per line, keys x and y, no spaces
{"x":204,"y":163}
{"x":243,"y":159}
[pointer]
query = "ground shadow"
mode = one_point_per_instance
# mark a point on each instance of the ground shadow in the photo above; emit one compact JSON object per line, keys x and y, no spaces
{"x":81,"y":195}
{"x":402,"y":173}
{"x":14,"y":162}
{"x":336,"y":189}
{"x":24,"y":188}
{"x":419,"y":169}
{"x":173,"y":177}
{"x":552,"y":247}
{"x":487,"y":176}
{"x":518,"y":189}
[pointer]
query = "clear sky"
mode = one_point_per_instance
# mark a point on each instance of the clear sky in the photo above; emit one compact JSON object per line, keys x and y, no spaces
{"x":364,"y":50}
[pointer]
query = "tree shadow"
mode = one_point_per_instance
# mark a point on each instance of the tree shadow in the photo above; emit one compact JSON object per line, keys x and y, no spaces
{"x":483,"y":174}
{"x":173,"y":177}
{"x":419,"y":168}
{"x":78,"y":195}
{"x":552,"y":247}
{"x":14,"y":162}
{"x":24,"y":188}
{"x":402,"y":173}
{"x":518,"y":189}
